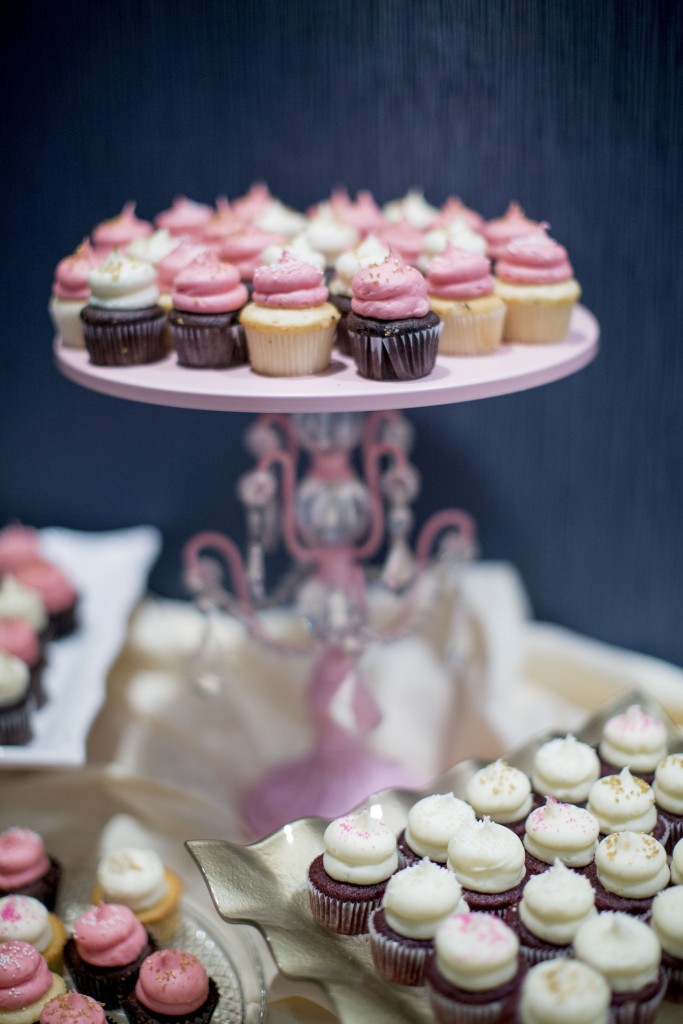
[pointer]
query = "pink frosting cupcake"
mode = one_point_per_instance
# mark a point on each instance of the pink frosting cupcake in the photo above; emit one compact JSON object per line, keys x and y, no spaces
{"x":535,"y":280}
{"x":363,"y":214}
{"x":289,"y":324}
{"x":500,"y":231}
{"x":18,"y":543}
{"x":223,"y":222}
{"x":119,"y":231}
{"x":455,"y":209}
{"x":405,"y":240}
{"x":70,"y":293}
{"x":394,"y":334}
{"x":172,"y":983}
{"x":105,"y":952}
{"x":244,"y":249}
{"x":19,"y":638}
{"x":170,"y":266}
{"x":185,"y":217}
{"x":57,"y":591}
{"x":26,"y":982}
{"x":207,"y":296}
{"x":26,"y":868}
{"x":253,"y":202}
{"x":73,"y":1008}
{"x":461,"y":293}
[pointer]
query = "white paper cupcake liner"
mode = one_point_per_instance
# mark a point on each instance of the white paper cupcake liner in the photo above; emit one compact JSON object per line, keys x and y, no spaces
{"x":290,"y":354}
{"x":396,"y":962}
{"x":448,"y":1011}
{"x":342,"y":916}
{"x":636,"y":1011}
{"x":475,"y":334}
{"x":537,"y":323}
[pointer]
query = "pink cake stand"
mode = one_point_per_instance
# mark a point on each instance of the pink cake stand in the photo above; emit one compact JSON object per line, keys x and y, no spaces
{"x":306,"y":493}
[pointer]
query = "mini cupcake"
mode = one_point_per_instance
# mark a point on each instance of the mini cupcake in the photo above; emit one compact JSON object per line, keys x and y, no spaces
{"x":630,"y":869}
{"x":668,"y":791}
{"x":19,"y":638}
{"x":25,"y":919}
{"x":123,"y":323}
{"x":417,"y":899}
{"x":15,"y":701}
{"x":18,"y":543}
{"x":248,"y":206}
{"x":624,"y":801}
{"x":488,"y":861}
{"x":564,"y":991}
{"x":626,"y":952}
{"x":564,"y":832}
{"x":73,"y":1008}
{"x":17,"y":601}
{"x":369,"y":251}
{"x":635,"y":740}
{"x":500,"y":231}
{"x":347,"y":882}
{"x":565,"y":768}
{"x":299,"y":247}
{"x":363,"y":213}
{"x":454,"y":210}
{"x":290,"y":325}
{"x":57,"y":590}
{"x":118,"y":232}
{"x":476,"y":972}
{"x":667,"y":924}
{"x":139,"y":880}
{"x":153,"y":248}
{"x":330,"y":236}
{"x":458,"y":234}
{"x":185,"y":217}
{"x":26,"y":868}
{"x":394,"y":334}
{"x":280,"y":219}
{"x":169,"y":267}
{"x":535,"y":280}
{"x":207,"y":295}
{"x":677,"y":864}
{"x":105,"y":952}
{"x":502,"y":793}
{"x":245,"y":248}
{"x":26,"y":983}
{"x":412,"y":207}
{"x":404,"y":240}
{"x":461,"y":293}
{"x":552,"y":908}
{"x":223,"y":222}
{"x":432,"y":823}
{"x":70,"y":293}
{"x":172,"y":985}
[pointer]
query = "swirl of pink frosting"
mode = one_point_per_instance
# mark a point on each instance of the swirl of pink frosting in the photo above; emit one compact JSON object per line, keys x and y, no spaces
{"x":120,"y":231}
{"x":289,"y":284}
{"x":364,"y":214}
{"x":534,"y":259}
{"x":455,"y":209}
{"x":170,"y":266}
{"x":24,"y":975}
{"x":72,"y":1008}
{"x":18,"y":544}
{"x":109,"y":935}
{"x":253,"y":202}
{"x":459,"y":274}
{"x":22,"y":858}
{"x":209,"y":285}
{"x":55,"y":588}
{"x":71,"y":274}
{"x":501,"y":230}
{"x":173,"y":982}
{"x":389,"y":290}
{"x":185,"y":217}
{"x":18,"y":637}
{"x":244,"y":249}
{"x":224,"y":222}
{"x":405,"y":238}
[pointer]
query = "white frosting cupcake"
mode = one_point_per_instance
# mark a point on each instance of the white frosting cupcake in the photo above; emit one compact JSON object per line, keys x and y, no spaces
{"x":476,"y":952}
{"x":564,"y":991}
{"x":25,"y":919}
{"x":486,"y":857}
{"x":565,"y":768}
{"x":121,"y":283}
{"x":330,"y":236}
{"x":14,"y":680}
{"x":433,"y":821}
{"x":668,"y":784}
{"x":133,"y":877}
{"x":418,"y":898}
{"x":677,"y":863}
{"x":555,"y":903}
{"x":631,"y":864}
{"x":359,"y":849}
{"x":153,"y":248}
{"x":633,"y":738}
{"x":300,"y":247}
{"x":623,"y":949}
{"x":667,"y":920}
{"x":500,"y":792}
{"x":621,"y":802}
{"x":20,"y":602}
{"x":412,"y":207}
{"x":458,"y":233}
{"x":562,"y":830}
{"x":280,"y":219}
{"x":347,"y":265}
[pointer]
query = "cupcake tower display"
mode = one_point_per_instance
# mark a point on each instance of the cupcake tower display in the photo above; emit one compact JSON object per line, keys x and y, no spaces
{"x":254,"y":280}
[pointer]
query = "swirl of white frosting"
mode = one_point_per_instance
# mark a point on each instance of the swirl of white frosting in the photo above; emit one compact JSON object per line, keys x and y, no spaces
{"x":486,"y":857}
{"x":279,"y":219}
{"x":667,"y":919}
{"x":330,"y":236}
{"x":564,"y":831}
{"x":347,"y":265}
{"x":621,"y":802}
{"x":565,"y":768}
{"x":634,"y":738}
{"x":14,"y":679}
{"x":359,"y":849}
{"x":668,"y":784}
{"x":458,"y":233}
{"x":501,"y":792}
{"x":677,"y":863}
{"x":412,"y":207}
{"x":20,"y":602}
{"x":300,"y":247}
{"x":433,"y":821}
{"x":476,"y":951}
{"x":564,"y":991}
{"x":153,"y":248}
{"x":418,"y":898}
{"x":555,"y":903}
{"x":133,"y":877}
{"x":632,"y":864}
{"x":25,"y":919}
{"x":621,"y":947}
{"x":122,"y":283}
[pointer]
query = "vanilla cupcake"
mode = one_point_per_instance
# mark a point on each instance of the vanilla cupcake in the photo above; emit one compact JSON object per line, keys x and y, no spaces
{"x":635,"y":740}
{"x":552,"y":908}
{"x":626,"y":952}
{"x":488,"y":861}
{"x":26,"y":983}
{"x":558,"y":831}
{"x":290,"y":325}
{"x":70,"y":293}
{"x":502,"y":793}
{"x":348,"y":880}
{"x":668,"y":790}
{"x":26,"y":919}
{"x":137,"y":878}
{"x":461,"y":293}
{"x":565,"y":768}
{"x":500,"y":231}
{"x":564,"y":991}
{"x":667,"y":924}
{"x":432,"y":823}
{"x":630,"y":869}
{"x":624,"y":801}
{"x":416,"y":900}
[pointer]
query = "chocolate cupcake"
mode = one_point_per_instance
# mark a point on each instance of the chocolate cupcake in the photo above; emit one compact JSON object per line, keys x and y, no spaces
{"x":26,"y":868}
{"x":560,"y":831}
{"x":625,"y":802}
{"x":630,"y":869}
{"x":667,"y":923}
{"x":488,"y":861}
{"x":565,"y":768}
{"x":346,"y":266}
{"x":432,"y":823}
{"x":15,"y":701}
{"x":553,"y":906}
{"x":668,"y":790}
{"x":172,"y":986}
{"x":635,"y":740}
{"x":502,"y":793}
{"x":58,"y":592}
{"x":207,"y":296}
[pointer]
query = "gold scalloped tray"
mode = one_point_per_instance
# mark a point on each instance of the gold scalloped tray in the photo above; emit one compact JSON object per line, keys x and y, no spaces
{"x":264,"y":885}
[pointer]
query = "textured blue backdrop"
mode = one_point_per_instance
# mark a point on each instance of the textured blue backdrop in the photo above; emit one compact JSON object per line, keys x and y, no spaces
{"x":572,"y":108}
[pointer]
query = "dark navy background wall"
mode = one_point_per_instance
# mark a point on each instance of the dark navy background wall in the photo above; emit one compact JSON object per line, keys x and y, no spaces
{"x":574,"y":108}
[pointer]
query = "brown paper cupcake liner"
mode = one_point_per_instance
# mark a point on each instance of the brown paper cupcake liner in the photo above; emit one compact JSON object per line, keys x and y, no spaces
{"x":15,"y":723}
{"x":675,"y":830}
{"x":397,"y":357}
{"x":64,"y":622}
{"x":672,"y":969}
{"x":638,"y":1007}
{"x":124,"y":338}
{"x":202,"y":341}
{"x":406,"y":856}
{"x":240,"y":353}
{"x":139,"y":1014}
{"x":451,"y":1005}
{"x":340,"y":906}
{"x":395,"y":957}
{"x":108,"y":985}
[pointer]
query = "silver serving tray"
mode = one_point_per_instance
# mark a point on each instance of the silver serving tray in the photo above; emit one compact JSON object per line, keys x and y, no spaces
{"x":264,"y":885}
